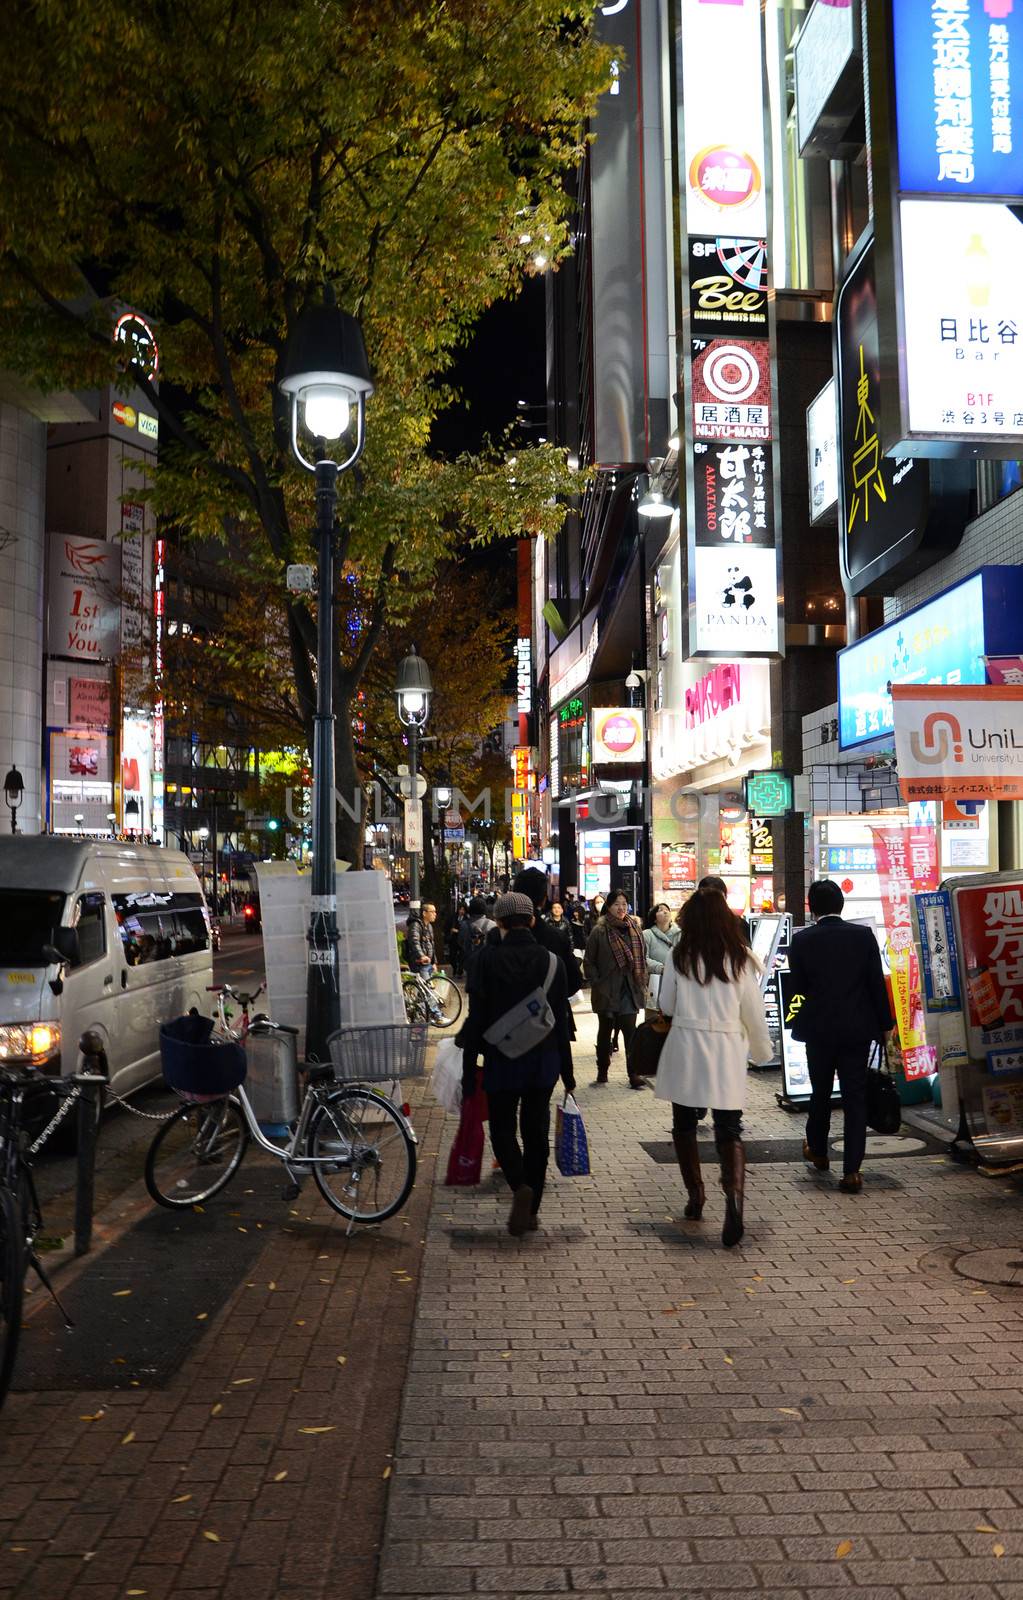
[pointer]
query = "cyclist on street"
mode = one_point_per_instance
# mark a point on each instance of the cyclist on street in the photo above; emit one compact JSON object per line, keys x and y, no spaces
{"x":419,"y":946}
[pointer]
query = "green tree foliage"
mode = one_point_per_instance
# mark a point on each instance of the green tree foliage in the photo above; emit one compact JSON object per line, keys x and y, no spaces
{"x":214,"y":164}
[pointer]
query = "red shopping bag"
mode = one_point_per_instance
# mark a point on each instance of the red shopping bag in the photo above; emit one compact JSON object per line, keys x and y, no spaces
{"x":465,"y":1163}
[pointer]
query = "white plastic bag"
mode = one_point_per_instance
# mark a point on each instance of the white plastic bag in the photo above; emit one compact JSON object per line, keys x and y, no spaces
{"x":446,"y":1079}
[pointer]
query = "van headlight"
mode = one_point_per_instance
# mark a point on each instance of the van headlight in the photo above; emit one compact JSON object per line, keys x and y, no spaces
{"x":33,"y":1041}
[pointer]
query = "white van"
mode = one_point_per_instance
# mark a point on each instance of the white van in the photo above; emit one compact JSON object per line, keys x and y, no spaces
{"x":133,"y":926}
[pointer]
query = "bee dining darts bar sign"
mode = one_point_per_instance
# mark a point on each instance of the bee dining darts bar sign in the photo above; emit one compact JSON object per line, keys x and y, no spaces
{"x":959,"y":741}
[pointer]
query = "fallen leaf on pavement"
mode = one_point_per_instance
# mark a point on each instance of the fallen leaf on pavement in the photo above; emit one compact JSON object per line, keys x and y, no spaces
{"x":984,"y":1527}
{"x":198,"y":1208}
{"x":341,"y":1360}
{"x":844,"y":1549}
{"x":237,"y":1382}
{"x":202,"y":1316}
{"x":216,"y":1410}
{"x":788,"y":1411}
{"x":179,"y":1499}
{"x":728,"y":1361}
{"x":208,"y":1533}
{"x":328,"y":1429}
{"x":128,"y":1438}
{"x":387,"y":1472}
{"x":300,"y":1323}
{"x":119,"y":1294}
{"x":998,"y":1549}
{"x":279,"y":1477}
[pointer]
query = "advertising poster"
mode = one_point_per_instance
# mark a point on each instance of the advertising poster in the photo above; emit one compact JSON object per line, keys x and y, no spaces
{"x":907,"y":863}
{"x":734,"y":491}
{"x":959,"y":96}
{"x":678,"y":868}
{"x":963,"y":325}
{"x":938,"y":948}
{"x":731,"y":389}
{"x":722,"y":95}
{"x":89,"y":702}
{"x":728,"y":286}
{"x":990,"y":926}
{"x":84,"y":598}
{"x":736,"y":601}
{"x":822,"y":452}
{"x":883,"y":501}
{"x":617,"y":735}
{"x":961,"y":741}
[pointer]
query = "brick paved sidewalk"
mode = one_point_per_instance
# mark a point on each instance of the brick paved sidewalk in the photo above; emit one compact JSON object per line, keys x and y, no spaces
{"x":261,"y":1468}
{"x":617,"y":1407}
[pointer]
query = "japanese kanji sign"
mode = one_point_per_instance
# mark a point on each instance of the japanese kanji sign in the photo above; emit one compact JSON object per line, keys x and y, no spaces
{"x":907,"y":863}
{"x":734,"y":495}
{"x":990,"y":928}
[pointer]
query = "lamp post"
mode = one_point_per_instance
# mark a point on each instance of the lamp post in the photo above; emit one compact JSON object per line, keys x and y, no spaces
{"x":14,"y":789}
{"x":112,"y":819}
{"x":325,"y":376}
{"x":442,"y":794}
{"x":204,"y":834}
{"x":413,"y":690}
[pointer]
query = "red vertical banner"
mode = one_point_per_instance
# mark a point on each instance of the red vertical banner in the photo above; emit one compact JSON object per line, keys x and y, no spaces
{"x":907,"y":864}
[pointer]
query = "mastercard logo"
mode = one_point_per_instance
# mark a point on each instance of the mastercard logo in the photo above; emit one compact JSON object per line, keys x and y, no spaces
{"x":725,"y":177}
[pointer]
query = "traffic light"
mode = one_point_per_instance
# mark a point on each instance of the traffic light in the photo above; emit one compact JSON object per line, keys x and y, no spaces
{"x":273,"y":824}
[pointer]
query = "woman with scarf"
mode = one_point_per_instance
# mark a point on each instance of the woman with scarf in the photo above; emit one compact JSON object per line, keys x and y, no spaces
{"x":616,"y":967}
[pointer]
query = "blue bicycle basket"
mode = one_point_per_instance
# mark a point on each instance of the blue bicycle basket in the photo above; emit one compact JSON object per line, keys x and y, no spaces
{"x":195,"y":1064}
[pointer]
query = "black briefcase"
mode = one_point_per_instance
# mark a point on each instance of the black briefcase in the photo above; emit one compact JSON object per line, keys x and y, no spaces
{"x":884,"y":1109}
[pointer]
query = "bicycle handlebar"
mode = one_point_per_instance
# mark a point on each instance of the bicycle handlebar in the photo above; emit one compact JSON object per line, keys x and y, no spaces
{"x":236,"y":994}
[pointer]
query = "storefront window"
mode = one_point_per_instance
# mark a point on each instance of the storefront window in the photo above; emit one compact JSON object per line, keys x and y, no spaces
{"x":573,"y":745}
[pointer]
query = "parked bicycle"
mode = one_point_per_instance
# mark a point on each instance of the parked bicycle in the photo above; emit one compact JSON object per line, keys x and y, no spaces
{"x":435,"y":999}
{"x":20,"y":1217}
{"x":359,"y":1146}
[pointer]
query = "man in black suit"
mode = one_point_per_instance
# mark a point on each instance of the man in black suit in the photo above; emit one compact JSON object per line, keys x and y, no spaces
{"x":836,"y":969}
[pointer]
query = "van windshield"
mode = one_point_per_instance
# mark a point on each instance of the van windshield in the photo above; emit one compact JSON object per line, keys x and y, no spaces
{"x":27,"y":920}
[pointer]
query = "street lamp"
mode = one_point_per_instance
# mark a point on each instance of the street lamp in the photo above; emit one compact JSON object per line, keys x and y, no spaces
{"x":14,"y":788}
{"x":325,"y":376}
{"x":204,"y":834}
{"x":79,"y":819}
{"x":112,"y":819}
{"x":413,"y":690}
{"x":443,"y":795}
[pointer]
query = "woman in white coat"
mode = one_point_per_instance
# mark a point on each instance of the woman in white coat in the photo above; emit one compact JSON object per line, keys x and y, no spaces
{"x":709,"y":990}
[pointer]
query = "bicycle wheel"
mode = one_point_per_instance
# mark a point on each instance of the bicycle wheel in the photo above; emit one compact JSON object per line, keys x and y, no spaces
{"x":372,"y":1159}
{"x":196,"y":1153}
{"x":449,"y":1002}
{"x":12,"y":1284}
{"x":415,"y":1001}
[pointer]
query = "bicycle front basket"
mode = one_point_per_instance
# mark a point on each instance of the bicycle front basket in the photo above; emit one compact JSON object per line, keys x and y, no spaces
{"x":195,"y":1064}
{"x":376,"y":1053}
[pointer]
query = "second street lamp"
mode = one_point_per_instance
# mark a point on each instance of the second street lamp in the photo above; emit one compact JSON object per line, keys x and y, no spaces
{"x":325,"y":377}
{"x":14,"y":788}
{"x":413,"y":690}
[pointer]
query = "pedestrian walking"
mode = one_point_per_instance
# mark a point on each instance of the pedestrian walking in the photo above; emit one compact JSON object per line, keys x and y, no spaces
{"x":453,"y":938}
{"x":474,"y":931}
{"x":835,"y":966}
{"x":557,"y":923}
{"x":533,"y":883}
{"x":578,"y":926}
{"x":660,"y":936}
{"x":506,"y":973}
{"x":710,"y":992}
{"x":594,"y":914}
{"x":615,"y":964}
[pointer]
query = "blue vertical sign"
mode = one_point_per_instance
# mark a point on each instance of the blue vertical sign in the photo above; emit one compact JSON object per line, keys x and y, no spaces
{"x":959,"y":96}
{"x":939,"y":959}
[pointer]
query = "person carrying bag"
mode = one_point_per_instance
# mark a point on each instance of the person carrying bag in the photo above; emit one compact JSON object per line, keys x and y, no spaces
{"x":520,"y":1023}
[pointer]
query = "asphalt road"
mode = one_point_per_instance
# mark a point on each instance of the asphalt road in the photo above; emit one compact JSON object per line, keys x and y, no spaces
{"x":124,"y":1137}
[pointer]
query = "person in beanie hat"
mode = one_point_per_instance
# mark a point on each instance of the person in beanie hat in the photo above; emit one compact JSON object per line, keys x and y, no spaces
{"x":518,"y":1089}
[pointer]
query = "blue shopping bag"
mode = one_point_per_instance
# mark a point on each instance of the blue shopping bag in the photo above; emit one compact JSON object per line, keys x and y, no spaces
{"x":571,"y":1152}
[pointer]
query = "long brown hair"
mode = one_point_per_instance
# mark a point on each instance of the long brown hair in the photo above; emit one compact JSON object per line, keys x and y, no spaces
{"x":711,"y":940}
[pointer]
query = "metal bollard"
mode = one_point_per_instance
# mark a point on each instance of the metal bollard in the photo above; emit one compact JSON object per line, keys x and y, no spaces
{"x":90,"y":1108}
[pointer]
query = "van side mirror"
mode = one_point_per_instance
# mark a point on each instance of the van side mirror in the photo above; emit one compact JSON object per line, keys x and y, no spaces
{"x":64,"y":947}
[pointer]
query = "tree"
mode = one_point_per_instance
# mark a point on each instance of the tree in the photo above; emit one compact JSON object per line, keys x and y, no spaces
{"x":215,"y":164}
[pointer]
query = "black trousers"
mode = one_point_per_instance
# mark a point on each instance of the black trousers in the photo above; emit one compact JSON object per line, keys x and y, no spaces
{"x":727,"y":1124}
{"x":625,"y":1022}
{"x":530,"y":1114}
{"x":850,"y":1062}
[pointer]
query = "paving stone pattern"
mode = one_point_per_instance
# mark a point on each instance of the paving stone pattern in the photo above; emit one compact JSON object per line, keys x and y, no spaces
{"x":617,"y":1407}
{"x":261,"y":1468}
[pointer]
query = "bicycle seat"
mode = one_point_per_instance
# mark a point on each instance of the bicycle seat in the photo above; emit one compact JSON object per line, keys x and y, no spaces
{"x":319,"y":1074}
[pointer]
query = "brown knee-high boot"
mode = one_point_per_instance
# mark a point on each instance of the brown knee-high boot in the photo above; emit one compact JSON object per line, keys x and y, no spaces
{"x":733,"y":1182}
{"x":688,"y":1153}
